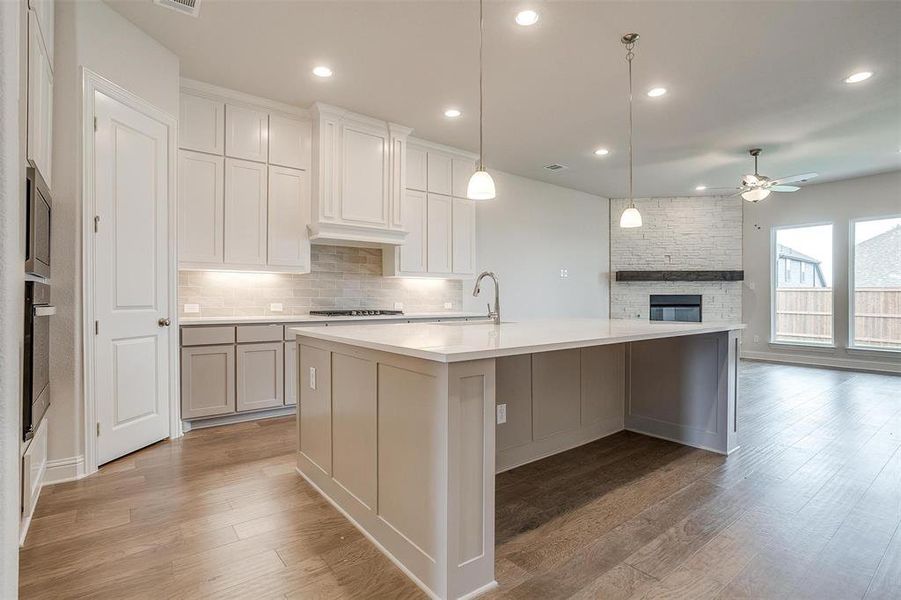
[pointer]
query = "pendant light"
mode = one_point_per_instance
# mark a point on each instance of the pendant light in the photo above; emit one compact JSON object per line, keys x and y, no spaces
{"x":481,"y":185}
{"x":630,"y":217}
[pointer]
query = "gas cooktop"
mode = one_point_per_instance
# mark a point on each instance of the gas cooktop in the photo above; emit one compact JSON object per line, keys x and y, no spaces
{"x":355,"y":313}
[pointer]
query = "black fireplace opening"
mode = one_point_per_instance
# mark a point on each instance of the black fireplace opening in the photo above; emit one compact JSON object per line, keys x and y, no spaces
{"x":676,"y":307}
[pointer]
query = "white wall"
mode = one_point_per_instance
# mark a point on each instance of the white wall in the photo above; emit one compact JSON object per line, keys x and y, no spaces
{"x":89,"y":34}
{"x":697,"y":233}
{"x":837,"y":203}
{"x":530,"y":232}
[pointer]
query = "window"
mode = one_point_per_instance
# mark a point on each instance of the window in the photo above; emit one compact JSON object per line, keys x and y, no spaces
{"x":876,"y":284}
{"x":802,"y":295}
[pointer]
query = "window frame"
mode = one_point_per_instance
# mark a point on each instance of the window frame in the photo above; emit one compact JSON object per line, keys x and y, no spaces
{"x":774,"y":280}
{"x":852,"y":286}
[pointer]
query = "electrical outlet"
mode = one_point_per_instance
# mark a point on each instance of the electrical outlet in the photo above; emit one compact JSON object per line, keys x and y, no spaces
{"x":756,"y":339}
{"x":448,"y":305}
{"x":398,"y":306}
{"x":192,"y":309}
{"x":276,"y":307}
{"x":501,"y":414}
{"x":312,"y":378}
{"x":751,"y":285}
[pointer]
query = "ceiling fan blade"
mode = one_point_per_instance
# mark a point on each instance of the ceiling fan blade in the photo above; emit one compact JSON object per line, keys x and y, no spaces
{"x":793,"y":178}
{"x":722,"y":189}
{"x":784,"y":188}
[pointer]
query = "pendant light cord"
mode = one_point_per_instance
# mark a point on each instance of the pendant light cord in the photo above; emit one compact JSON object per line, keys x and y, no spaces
{"x":481,"y":118}
{"x":629,"y":56}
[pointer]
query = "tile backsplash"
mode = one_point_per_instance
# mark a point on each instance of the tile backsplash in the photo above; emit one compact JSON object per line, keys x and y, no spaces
{"x":341,"y":277}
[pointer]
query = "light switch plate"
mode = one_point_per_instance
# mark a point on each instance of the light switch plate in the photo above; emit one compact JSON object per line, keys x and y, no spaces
{"x":276,"y":307}
{"x":501,"y":414}
{"x":312,"y":378}
{"x":192,"y":309}
{"x":448,"y":305}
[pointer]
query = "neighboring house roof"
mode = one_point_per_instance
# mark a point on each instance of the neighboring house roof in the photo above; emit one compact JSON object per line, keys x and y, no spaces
{"x":878,"y":260}
{"x":792,"y":254}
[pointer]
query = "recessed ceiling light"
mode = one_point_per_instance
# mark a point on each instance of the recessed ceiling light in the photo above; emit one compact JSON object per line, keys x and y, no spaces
{"x":858,"y":77}
{"x":656,"y":92}
{"x":602,"y":152}
{"x":701,"y":188}
{"x":453,"y":113}
{"x":322,"y":71}
{"x":526,"y":18}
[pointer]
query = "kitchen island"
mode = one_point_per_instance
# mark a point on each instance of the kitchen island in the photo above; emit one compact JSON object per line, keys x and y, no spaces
{"x":404,"y":426}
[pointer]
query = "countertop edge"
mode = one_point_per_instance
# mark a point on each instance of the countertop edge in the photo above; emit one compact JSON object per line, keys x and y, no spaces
{"x":307,"y":319}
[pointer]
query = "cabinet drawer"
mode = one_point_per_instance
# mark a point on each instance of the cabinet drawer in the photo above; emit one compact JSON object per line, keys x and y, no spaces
{"x":207,"y":336}
{"x":260,"y":333}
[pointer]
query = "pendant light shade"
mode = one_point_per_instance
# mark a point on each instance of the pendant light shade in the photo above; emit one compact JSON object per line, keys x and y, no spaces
{"x":630,"y":218}
{"x":481,"y":185}
{"x":756,"y":195}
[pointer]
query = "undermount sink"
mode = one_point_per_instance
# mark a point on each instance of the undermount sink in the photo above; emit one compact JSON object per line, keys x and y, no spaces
{"x":480,"y":322}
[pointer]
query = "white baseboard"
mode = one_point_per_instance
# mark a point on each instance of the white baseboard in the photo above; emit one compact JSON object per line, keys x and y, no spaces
{"x":271,"y":413}
{"x":61,"y":470}
{"x":852,"y":364}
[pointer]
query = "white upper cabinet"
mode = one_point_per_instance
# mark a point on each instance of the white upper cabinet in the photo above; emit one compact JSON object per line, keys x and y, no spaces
{"x":463,"y":169}
{"x":201,"y":124}
{"x":358,"y":176}
{"x":289,"y":215}
{"x":439,"y":234}
{"x":417,"y":169}
{"x":43,"y":10}
{"x":40,"y":101}
{"x":289,"y":142}
{"x":440,"y":173}
{"x":413,"y":253}
{"x":201,"y":208}
{"x":464,"y":236}
{"x":245,"y":212}
{"x":246,"y":133}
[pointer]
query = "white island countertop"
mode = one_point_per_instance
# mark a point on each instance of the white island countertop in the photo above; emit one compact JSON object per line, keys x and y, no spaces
{"x":460,"y":341}
{"x":250,"y":320}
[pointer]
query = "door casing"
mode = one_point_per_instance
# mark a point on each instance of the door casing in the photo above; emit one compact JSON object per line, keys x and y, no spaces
{"x":92,"y":82}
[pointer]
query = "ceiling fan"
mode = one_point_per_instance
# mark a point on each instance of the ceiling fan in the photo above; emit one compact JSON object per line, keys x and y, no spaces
{"x":756,"y":187}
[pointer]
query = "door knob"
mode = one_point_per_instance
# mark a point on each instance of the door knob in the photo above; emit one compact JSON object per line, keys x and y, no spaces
{"x":164,"y":322}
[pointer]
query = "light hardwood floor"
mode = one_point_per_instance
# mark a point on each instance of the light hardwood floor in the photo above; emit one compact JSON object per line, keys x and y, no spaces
{"x":808,"y":508}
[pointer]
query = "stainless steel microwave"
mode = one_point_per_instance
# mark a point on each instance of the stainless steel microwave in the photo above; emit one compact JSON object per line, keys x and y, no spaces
{"x":38,"y":208}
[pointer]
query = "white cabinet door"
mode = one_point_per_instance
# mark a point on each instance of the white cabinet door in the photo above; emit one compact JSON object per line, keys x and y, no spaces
{"x":289,"y":215}
{"x":289,"y":142}
{"x":201,"y":124}
{"x":464,"y":224}
{"x":201,"y":208}
{"x":413,"y":252}
{"x":40,"y":101}
{"x":417,"y":161}
{"x":245,"y":212}
{"x":260,"y":376}
{"x":440,"y":173}
{"x":364,"y":181}
{"x":43,"y":9}
{"x":246,"y":133}
{"x":438,"y":236}
{"x":463,"y":170}
{"x":290,"y":373}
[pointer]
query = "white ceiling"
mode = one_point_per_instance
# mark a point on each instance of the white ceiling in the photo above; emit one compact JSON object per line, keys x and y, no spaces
{"x":739,"y":74}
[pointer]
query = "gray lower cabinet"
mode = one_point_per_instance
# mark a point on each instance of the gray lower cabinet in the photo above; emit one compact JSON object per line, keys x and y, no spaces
{"x":207,"y":381}
{"x":290,"y":373}
{"x":260,"y":375}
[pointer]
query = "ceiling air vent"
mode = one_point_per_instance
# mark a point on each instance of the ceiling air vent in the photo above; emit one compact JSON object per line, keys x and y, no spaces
{"x":555,"y":167}
{"x":188,"y":7}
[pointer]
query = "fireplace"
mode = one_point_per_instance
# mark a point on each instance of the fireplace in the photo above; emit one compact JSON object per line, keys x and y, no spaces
{"x":675,"y":307}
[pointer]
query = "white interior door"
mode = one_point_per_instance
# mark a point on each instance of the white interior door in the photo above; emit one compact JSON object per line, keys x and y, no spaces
{"x":131,"y":279}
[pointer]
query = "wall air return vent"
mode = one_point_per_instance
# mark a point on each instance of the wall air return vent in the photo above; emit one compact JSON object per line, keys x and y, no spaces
{"x":555,"y":167}
{"x":188,"y":7}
